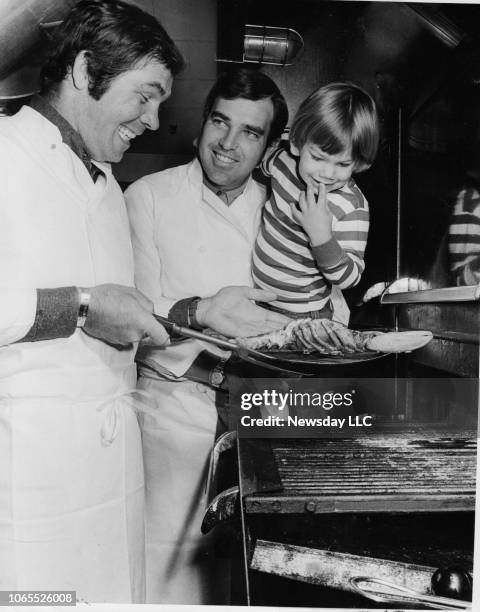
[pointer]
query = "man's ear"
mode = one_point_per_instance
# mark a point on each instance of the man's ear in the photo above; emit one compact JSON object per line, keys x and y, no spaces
{"x":79,"y":71}
{"x":294,"y":150}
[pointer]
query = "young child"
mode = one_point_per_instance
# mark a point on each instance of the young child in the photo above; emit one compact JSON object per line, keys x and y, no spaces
{"x":315,"y":225}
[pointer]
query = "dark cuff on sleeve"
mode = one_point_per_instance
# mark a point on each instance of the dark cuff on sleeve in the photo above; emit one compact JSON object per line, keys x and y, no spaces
{"x":180,"y":313}
{"x":328,"y":254}
{"x":203,"y":368}
{"x":56,"y":315}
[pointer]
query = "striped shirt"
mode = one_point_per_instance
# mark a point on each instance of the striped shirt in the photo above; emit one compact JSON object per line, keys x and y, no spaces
{"x":283,"y":260}
{"x":464,"y":236}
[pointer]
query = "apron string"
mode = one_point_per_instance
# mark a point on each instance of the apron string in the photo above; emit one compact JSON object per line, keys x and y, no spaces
{"x":112,"y":406}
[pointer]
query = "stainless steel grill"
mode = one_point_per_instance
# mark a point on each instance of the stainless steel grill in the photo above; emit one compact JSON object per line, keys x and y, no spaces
{"x":424,"y":470}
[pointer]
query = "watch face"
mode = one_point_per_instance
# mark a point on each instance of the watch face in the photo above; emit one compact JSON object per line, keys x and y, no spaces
{"x":217,"y":378}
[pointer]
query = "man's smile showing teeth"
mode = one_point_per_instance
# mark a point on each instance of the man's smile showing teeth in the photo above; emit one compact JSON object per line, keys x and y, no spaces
{"x":125,"y":133}
{"x":223,"y":158}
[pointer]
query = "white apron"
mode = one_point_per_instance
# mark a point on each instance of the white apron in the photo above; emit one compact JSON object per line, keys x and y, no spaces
{"x":71,"y":477}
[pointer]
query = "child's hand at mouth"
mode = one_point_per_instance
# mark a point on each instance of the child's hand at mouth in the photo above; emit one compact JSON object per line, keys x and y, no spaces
{"x":314,"y":215}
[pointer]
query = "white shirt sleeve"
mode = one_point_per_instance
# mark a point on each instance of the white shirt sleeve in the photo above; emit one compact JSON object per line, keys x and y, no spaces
{"x":148,"y":265}
{"x":17,"y":314}
{"x":175,"y":361}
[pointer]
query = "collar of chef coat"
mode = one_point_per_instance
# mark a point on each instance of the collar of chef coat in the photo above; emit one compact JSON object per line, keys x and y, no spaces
{"x":226,"y":195}
{"x":69,"y":135}
{"x":44,"y":140}
{"x":239,"y":208}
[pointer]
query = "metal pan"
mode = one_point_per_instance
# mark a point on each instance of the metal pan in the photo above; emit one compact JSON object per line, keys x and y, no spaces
{"x":296,"y":357}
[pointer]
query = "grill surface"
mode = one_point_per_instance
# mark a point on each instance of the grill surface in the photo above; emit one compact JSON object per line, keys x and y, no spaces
{"x":402,"y":471}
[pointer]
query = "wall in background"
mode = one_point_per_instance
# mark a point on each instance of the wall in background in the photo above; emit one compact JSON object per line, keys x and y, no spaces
{"x":193,"y":26}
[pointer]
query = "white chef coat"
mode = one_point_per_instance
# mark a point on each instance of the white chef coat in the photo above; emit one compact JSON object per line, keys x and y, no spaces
{"x":71,"y":478}
{"x":17,"y":313}
{"x":187,"y":242}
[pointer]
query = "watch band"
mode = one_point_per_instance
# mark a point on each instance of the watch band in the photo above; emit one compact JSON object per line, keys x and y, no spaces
{"x":192,"y":314}
{"x":217,"y":375}
{"x":83,"y":307}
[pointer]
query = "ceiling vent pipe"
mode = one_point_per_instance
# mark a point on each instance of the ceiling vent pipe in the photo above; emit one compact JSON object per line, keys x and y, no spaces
{"x":438,"y":24}
{"x":20,"y":34}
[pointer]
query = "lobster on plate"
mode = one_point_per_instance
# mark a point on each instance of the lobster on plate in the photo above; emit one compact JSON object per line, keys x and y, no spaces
{"x":312,"y":335}
{"x":328,"y":337}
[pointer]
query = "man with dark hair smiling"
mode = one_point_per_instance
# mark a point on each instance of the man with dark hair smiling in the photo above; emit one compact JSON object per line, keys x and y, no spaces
{"x":193,"y":228}
{"x":71,"y":479}
{"x":71,"y":476}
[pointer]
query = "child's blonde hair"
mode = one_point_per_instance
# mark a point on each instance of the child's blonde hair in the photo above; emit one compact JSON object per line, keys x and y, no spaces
{"x":337,"y":117}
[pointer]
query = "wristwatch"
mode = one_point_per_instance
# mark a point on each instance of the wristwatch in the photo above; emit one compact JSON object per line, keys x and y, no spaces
{"x":84,"y":295}
{"x":217,"y":375}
